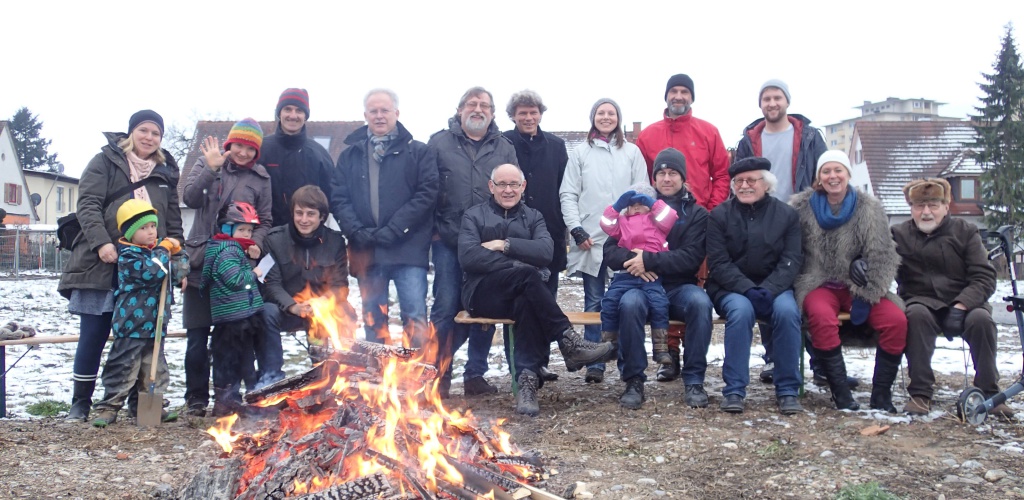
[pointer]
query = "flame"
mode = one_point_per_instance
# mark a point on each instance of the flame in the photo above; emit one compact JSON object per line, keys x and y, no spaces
{"x":222,"y":432}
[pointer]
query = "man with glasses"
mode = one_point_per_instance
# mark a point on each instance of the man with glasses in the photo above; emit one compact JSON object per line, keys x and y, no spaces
{"x":754,"y":255}
{"x":467,"y":151}
{"x":384,"y":191}
{"x":505,"y":248}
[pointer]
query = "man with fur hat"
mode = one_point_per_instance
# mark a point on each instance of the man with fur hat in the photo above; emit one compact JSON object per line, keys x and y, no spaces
{"x":292,"y":158}
{"x":946,"y":280}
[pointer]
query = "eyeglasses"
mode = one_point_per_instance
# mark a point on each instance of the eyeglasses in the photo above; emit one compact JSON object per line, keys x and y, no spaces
{"x":738,"y":182}
{"x":477,"y":104}
{"x":506,"y":185}
{"x":380,"y":112}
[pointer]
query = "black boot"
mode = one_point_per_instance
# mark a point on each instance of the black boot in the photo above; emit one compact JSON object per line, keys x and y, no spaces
{"x":886,"y":367}
{"x":834,"y":366}
{"x":670,"y":372}
{"x":81,"y":400}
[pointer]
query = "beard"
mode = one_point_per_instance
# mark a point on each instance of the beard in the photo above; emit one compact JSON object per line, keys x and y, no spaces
{"x":927,"y":226}
{"x":678,"y":109}
{"x":476,"y":125}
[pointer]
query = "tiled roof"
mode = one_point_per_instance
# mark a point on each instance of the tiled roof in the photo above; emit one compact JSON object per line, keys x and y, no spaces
{"x":572,"y":139}
{"x":898,"y":152}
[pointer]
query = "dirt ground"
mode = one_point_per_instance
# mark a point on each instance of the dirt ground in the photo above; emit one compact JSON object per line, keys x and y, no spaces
{"x":665,"y":449}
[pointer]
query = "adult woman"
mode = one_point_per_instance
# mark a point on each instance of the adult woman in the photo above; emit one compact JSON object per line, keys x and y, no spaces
{"x":850,"y":261}
{"x":216,"y":180}
{"x":610,"y":165}
{"x":130,"y":165}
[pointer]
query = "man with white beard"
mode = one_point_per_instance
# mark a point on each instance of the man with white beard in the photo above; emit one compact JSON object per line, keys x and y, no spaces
{"x":945,"y":279}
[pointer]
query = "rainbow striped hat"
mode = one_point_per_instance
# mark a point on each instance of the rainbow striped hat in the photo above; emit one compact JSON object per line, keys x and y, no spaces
{"x":246,"y":132}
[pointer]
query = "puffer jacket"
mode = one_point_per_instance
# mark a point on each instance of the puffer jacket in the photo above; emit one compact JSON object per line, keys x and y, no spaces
{"x":644,"y":231}
{"x":294,"y":161}
{"x":319,"y":262}
{"x":136,"y":299}
{"x":107,"y":173}
{"x":229,"y":281}
{"x":463,"y":172}
{"x":808,"y":145}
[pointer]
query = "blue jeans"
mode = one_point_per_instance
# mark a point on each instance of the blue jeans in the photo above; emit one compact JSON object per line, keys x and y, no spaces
{"x":269,"y":352}
{"x":691,"y":305}
{"x":593,"y":292}
{"x":411,"y":284}
{"x":624,"y":282}
{"x":739,"y":332}
{"x":448,"y":303}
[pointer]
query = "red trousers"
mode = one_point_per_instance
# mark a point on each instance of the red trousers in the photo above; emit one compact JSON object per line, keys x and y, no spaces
{"x":823,"y":304}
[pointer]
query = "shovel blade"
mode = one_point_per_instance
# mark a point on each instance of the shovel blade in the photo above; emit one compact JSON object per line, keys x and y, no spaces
{"x":151,"y":405}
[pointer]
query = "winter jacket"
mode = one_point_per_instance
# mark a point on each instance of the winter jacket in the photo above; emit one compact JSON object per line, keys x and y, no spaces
{"x":137,"y":295}
{"x":463,"y":172}
{"x":107,"y":173}
{"x":543,"y":158}
{"x":644,"y":231}
{"x":828,"y":253}
{"x":752,"y":245}
{"x":319,"y":262}
{"x":595,"y":176}
{"x":679,"y":265}
{"x":407,"y":192}
{"x":229,"y":281}
{"x":808,"y":145}
{"x":294,"y":161}
{"x":707,"y":161}
{"x":528,"y":242}
{"x":209,"y":192}
{"x":949,"y":265}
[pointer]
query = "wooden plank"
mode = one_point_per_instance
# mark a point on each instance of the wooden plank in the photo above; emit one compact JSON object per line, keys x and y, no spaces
{"x":65,"y":339}
{"x":580,"y":318}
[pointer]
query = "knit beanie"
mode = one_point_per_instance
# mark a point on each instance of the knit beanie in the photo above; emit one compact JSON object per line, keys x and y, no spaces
{"x":295,"y":97}
{"x":146,"y":115}
{"x":644,"y":188}
{"x":246,"y":132}
{"x":603,"y":100}
{"x":681,"y":80}
{"x":779,"y":84}
{"x":836,"y":156}
{"x":669,"y":158}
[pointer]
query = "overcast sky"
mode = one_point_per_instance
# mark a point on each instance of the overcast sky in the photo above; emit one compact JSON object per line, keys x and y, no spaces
{"x":85,"y":67}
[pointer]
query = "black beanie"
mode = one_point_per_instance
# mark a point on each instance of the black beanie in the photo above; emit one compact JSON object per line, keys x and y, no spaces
{"x":146,"y":115}
{"x":670,"y":158}
{"x":681,"y":79}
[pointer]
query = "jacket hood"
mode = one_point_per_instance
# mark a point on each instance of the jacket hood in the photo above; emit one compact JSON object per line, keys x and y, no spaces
{"x":113,"y":153}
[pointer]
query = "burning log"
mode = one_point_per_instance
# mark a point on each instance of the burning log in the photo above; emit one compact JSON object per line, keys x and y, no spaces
{"x":366,"y":487}
{"x":318,"y":376}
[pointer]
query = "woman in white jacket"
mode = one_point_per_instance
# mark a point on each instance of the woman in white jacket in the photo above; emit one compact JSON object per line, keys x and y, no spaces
{"x":598,"y":171}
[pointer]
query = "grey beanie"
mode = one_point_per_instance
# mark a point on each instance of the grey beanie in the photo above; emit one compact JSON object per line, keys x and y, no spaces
{"x":603,"y":100}
{"x":779,"y":84}
{"x":644,"y":188}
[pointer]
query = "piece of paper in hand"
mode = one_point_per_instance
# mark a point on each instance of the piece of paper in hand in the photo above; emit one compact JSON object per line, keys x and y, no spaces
{"x":264,"y":266}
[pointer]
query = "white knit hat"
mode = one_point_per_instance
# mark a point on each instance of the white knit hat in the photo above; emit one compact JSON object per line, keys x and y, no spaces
{"x":836,"y":156}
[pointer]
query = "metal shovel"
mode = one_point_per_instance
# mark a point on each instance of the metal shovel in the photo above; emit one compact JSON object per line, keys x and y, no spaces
{"x":151,"y":403}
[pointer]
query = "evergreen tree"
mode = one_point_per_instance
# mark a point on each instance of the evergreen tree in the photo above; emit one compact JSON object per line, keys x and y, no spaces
{"x":1000,"y":138}
{"x":32,"y":148}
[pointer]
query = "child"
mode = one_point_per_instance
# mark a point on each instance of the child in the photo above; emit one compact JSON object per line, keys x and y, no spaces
{"x":135,"y":310}
{"x":644,"y":227}
{"x":235,"y":306}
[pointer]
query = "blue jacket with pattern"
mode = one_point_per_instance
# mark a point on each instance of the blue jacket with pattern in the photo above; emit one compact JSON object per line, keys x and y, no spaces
{"x":138,"y":290}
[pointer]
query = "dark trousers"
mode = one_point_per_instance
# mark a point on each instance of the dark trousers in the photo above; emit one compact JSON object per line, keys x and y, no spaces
{"x":94,"y":331}
{"x":234,"y":357}
{"x":519,"y":293}
{"x":979,"y":333}
{"x":657,"y":301}
{"x":197,"y":366}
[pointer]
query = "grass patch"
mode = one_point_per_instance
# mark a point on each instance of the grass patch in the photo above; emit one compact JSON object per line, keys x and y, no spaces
{"x":776,"y":451}
{"x":47,"y":408}
{"x":865,"y":491}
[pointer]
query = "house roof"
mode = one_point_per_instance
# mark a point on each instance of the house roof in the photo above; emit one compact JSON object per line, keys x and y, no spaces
{"x":3,"y":123}
{"x":572,"y":139}
{"x":51,"y":175}
{"x":899,"y":152}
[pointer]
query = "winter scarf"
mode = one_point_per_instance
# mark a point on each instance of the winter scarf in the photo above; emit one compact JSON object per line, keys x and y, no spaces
{"x":823,"y":212}
{"x":303,"y":241}
{"x":381,"y":143}
{"x":139,"y":169}
{"x":244,"y":242}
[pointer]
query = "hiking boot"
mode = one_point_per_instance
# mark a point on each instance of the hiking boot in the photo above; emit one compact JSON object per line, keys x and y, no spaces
{"x":918,"y":406}
{"x":579,"y":352}
{"x":669,"y":372}
{"x":886,"y":367}
{"x":789,"y":405}
{"x":81,"y":400}
{"x":834,"y":366}
{"x":695,"y":396}
{"x":767,"y":373}
{"x":547,"y":375}
{"x":633,"y":397}
{"x":659,"y":339}
{"x":526,"y":399}
{"x":478,"y":386}
{"x":732,"y":403}
{"x":613,"y":339}
{"x":104,"y":418}
{"x":196,"y":410}
{"x":594,"y":376}
{"x":1002,"y":412}
{"x":444,"y":387}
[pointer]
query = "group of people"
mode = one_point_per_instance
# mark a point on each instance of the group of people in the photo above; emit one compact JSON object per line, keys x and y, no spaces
{"x":683,"y":228}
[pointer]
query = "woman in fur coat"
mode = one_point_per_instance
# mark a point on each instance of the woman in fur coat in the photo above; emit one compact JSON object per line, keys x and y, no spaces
{"x":850,"y":261}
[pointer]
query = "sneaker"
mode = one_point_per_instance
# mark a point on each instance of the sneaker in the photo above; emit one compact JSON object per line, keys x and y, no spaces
{"x":767,"y":373}
{"x":579,"y":352}
{"x":104,"y":418}
{"x":918,"y":405}
{"x":695,"y":396}
{"x":633,"y":397}
{"x":547,"y":375}
{"x":594,"y":376}
{"x":789,"y":405}
{"x":478,"y":386}
{"x":732,"y":403}
{"x":526,"y":399}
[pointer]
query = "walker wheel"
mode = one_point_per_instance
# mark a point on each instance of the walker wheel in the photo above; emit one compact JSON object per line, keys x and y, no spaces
{"x":970,"y":408}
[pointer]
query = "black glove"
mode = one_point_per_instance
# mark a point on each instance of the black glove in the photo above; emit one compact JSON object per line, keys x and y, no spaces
{"x":384,"y":236}
{"x":362,"y":238}
{"x":579,"y":235}
{"x":545,"y":274}
{"x":623,"y":201}
{"x":762,"y":300}
{"x":859,"y":272}
{"x":953,"y":325}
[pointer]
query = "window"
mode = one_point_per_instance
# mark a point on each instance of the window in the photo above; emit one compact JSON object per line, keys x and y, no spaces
{"x":71,"y":197}
{"x":917,"y":104}
{"x":323,"y":140}
{"x":60,"y":199}
{"x":835,"y":143}
{"x":857,"y":157}
{"x":12,"y":194}
{"x":967,"y":189}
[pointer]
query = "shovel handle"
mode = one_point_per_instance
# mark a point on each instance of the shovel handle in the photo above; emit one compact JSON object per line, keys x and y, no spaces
{"x":159,"y":330}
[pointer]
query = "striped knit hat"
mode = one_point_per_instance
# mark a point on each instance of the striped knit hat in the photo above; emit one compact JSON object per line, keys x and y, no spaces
{"x":294,"y":97}
{"x":247,"y":132}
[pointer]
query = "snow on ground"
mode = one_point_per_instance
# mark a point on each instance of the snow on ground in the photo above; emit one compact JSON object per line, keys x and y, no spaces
{"x":44,"y":372}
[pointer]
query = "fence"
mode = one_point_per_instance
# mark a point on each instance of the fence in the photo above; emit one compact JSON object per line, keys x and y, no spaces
{"x":27,"y":250}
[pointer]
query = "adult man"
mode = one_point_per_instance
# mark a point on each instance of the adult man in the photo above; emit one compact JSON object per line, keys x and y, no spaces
{"x":291,"y":157}
{"x":707,"y":163}
{"x":505,"y":249}
{"x":542,"y":157}
{"x":384,"y":192}
{"x":945,"y":279}
{"x":467,"y":151}
{"x":754,"y":255}
{"x":677,"y":267}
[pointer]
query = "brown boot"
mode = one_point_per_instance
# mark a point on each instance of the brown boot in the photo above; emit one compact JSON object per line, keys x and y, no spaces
{"x":659,"y":338}
{"x":918,"y":405}
{"x":1002,"y":411}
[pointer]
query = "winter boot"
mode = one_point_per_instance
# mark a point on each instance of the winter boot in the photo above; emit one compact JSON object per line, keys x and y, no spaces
{"x":659,"y":338}
{"x":81,"y":400}
{"x":670,"y":372}
{"x":104,"y":418}
{"x":579,"y":352}
{"x":613,"y":339}
{"x":834,"y":366}
{"x":886,"y":367}
{"x":526,"y":399}
{"x":633,"y":397}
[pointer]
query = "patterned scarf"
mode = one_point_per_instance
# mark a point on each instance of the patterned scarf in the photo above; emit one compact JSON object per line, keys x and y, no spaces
{"x":381,"y":143}
{"x":139,"y":169}
{"x":823,"y":212}
{"x":596,"y":135}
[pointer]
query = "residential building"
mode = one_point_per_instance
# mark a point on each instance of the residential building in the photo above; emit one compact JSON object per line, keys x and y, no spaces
{"x":892,"y":109}
{"x":17,"y":200}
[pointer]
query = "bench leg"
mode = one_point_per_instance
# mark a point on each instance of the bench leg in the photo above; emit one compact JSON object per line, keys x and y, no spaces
{"x":512,"y":358}
{"x":3,"y":382}
{"x":803,"y":352}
